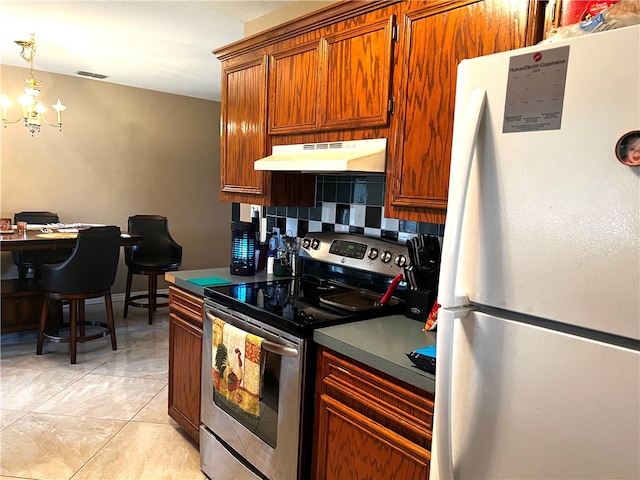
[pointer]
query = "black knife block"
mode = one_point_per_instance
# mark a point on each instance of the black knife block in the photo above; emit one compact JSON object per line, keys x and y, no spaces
{"x":418,"y":304}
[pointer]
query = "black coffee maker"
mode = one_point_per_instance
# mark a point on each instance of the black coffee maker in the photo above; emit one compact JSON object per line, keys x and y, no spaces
{"x":243,"y":248}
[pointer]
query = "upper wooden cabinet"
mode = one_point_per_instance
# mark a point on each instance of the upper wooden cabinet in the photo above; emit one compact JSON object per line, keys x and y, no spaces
{"x":358,"y":70}
{"x":340,"y":81}
{"x":243,"y":136}
{"x":434,"y":38}
{"x":293,"y":89}
{"x":244,"y":140}
{"x":356,"y":76}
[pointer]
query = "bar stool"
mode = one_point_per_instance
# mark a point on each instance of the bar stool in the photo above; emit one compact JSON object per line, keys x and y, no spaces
{"x":158,"y":253}
{"x":32,"y":260}
{"x":89,"y":272}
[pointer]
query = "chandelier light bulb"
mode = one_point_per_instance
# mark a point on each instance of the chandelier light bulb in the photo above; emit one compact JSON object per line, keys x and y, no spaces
{"x":59,"y":107}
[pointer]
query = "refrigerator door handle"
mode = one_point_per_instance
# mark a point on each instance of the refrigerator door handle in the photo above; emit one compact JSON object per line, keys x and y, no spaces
{"x":464,"y":142}
{"x":442,"y":430}
{"x":465,"y":136}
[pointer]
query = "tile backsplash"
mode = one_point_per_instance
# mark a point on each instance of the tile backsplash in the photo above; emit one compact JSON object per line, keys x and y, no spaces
{"x":345,"y":203}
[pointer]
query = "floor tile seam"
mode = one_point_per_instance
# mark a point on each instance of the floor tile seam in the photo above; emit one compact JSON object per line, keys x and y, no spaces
{"x":148,"y":403}
{"x":115,"y":434}
{"x":112,"y":375}
{"x":24,"y":412}
{"x":124,"y":375}
{"x":111,"y":439}
{"x":84,"y":415}
{"x":57,"y":393}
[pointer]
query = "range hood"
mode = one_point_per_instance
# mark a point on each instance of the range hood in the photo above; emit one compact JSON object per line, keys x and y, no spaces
{"x":367,"y":156}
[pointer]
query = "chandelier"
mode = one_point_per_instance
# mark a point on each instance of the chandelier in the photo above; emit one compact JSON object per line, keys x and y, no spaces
{"x":32,"y":108}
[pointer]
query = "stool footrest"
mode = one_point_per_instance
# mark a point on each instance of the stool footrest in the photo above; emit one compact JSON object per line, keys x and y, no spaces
{"x":134,"y":303}
{"x":55,"y":338}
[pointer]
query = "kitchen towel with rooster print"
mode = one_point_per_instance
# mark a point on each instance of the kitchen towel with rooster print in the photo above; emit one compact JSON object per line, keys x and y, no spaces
{"x":235,"y":367}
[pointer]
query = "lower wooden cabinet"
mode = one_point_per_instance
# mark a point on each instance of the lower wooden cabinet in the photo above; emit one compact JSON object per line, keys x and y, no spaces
{"x":185,"y":359}
{"x":368,"y":425}
{"x":22,"y":304}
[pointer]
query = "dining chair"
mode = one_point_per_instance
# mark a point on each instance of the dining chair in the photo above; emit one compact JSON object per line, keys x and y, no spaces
{"x":29,"y":261}
{"x":158,"y":253}
{"x":89,"y":272}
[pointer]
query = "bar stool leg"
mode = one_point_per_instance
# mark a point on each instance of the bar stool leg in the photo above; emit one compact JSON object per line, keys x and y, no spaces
{"x":81,"y":318}
{"x":43,"y":324}
{"x":112,"y":325}
{"x":127,"y":295}
{"x":73,"y":330}
{"x":152,"y":298}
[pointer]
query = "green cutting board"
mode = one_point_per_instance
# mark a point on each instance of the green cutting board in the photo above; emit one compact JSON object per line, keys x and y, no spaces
{"x":209,"y":281}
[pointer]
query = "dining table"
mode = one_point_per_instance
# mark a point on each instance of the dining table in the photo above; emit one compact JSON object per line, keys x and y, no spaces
{"x":21,"y":299}
{"x":42,"y":237}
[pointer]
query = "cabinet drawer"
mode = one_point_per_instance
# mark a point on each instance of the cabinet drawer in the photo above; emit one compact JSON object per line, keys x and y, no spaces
{"x":186,"y":305}
{"x":395,"y":405}
{"x":356,"y":447}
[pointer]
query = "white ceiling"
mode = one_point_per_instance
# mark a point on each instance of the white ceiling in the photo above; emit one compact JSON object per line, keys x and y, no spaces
{"x":163,"y":46}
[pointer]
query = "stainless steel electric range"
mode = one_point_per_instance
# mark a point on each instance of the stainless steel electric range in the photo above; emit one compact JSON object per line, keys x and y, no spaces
{"x":343,"y":278}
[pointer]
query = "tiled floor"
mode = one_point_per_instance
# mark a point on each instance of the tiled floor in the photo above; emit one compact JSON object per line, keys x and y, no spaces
{"x":103,"y":418}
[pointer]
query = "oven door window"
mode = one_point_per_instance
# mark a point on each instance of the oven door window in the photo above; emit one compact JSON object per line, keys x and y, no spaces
{"x":265,"y":424}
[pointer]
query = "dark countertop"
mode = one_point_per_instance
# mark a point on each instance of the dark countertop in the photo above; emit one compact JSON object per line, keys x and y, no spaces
{"x":181,"y":278}
{"x":381,"y":343}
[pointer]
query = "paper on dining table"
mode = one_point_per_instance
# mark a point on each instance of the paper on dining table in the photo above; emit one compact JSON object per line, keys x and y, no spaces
{"x":63,"y":226}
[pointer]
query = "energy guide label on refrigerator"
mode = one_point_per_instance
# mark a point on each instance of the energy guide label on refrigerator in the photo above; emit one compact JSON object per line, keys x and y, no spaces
{"x":535,"y":91}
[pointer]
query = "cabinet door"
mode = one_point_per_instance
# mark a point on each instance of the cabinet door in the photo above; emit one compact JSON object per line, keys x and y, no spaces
{"x":432,"y":42}
{"x":355,"y":447}
{"x":185,"y":359}
{"x":356,"y":67}
{"x":185,"y":351}
{"x":368,"y":425}
{"x":293,"y":90}
{"x":243,"y":130}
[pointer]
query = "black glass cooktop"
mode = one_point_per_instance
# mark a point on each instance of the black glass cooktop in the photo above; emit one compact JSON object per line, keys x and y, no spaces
{"x":295,"y":305}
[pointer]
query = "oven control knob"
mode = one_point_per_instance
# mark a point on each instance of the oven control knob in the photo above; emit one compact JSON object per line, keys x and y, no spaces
{"x":315,"y":244}
{"x":373,"y":254}
{"x":401,"y":260}
{"x":305,"y":243}
{"x":386,"y":256}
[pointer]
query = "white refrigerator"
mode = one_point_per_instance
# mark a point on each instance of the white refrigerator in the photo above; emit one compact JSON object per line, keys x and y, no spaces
{"x":538,"y":361}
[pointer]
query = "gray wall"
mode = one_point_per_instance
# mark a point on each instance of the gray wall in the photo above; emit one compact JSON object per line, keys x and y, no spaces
{"x":122,"y":151}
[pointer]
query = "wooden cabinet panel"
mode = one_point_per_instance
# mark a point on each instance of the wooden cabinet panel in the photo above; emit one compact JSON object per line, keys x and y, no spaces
{"x":185,"y":359}
{"x":22,"y":305}
{"x":244,"y":140}
{"x":356,"y":447}
{"x":368,"y":425}
{"x":293,"y":89}
{"x":243,"y":131}
{"x":433,"y":41}
{"x":356,"y":76}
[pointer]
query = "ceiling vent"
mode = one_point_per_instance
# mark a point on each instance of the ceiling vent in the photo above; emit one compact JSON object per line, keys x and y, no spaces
{"x":99,"y":76}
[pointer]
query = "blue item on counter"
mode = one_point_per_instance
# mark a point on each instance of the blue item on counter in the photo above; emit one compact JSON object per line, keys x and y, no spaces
{"x":209,"y":281}
{"x":424,"y":358}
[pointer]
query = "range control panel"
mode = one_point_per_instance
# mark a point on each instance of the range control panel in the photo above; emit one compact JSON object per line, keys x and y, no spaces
{"x":370,"y":254}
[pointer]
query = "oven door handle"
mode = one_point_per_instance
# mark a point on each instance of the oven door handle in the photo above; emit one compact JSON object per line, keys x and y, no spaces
{"x":272,"y":347}
{"x":278,"y":349}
